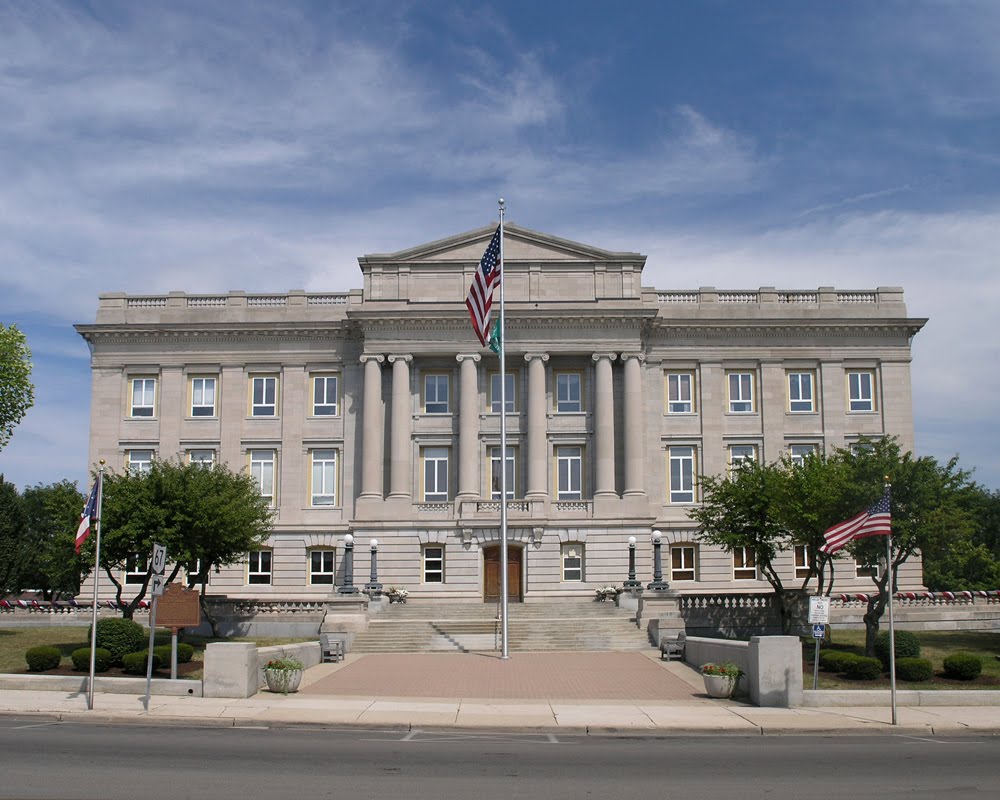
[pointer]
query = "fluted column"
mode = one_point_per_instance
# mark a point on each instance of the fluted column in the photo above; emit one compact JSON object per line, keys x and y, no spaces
{"x":468,"y":426}
{"x":537,"y":432}
{"x":604,"y":425}
{"x":400,"y":455}
{"x":373,"y":429}
{"x":635,"y":481}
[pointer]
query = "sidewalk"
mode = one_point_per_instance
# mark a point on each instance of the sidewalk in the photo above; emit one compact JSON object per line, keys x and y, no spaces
{"x":341,"y":695}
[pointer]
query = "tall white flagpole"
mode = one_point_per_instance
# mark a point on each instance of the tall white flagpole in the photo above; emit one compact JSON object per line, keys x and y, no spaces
{"x":97,"y":576}
{"x":504,"y":654}
{"x":892,"y":629}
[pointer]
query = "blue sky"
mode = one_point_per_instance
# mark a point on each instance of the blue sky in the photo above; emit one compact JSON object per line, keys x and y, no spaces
{"x":203,"y":147}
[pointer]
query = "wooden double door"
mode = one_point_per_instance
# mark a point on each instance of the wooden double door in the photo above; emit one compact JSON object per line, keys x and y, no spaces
{"x":491,"y":573}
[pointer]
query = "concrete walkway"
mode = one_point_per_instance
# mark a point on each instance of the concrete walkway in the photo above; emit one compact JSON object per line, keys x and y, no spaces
{"x":546,"y":692}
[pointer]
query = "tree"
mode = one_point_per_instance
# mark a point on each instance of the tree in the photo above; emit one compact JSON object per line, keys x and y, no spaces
{"x":206,"y":516}
{"x":50,"y":563}
{"x":970,"y":557}
{"x":17,"y":394}
{"x":13,"y":524}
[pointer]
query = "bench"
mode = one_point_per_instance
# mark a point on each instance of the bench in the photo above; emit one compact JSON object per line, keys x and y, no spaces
{"x":331,"y":649}
{"x":673,"y":648}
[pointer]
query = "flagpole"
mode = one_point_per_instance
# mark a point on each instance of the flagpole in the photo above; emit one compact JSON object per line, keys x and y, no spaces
{"x":504,"y":654}
{"x":97,"y":575}
{"x":892,"y":629}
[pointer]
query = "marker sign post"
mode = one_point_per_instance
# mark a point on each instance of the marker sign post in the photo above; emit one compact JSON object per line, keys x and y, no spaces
{"x":819,"y":617}
{"x":157,"y":565}
{"x":179,"y":608}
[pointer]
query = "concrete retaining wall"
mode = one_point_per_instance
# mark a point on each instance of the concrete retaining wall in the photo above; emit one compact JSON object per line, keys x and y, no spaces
{"x":904,"y":697}
{"x":772,"y":666}
{"x":72,"y":683}
{"x":236,"y":669}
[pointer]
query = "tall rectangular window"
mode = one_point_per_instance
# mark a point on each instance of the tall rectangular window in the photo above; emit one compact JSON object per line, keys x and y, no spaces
{"x":259,"y":566}
{"x":862,"y":569}
{"x":680,"y":392}
{"x":801,"y":397}
{"x":510,"y":395}
{"x":433,"y":557}
{"x":681,"y":474}
{"x":744,"y":564}
{"x":136,"y":567}
{"x":569,"y":394}
{"x":140,"y":461}
{"x":495,"y":472}
{"x":325,"y":396}
{"x":740,"y":453}
{"x":435,"y":474}
{"x":572,"y":561}
{"x":321,"y":570}
{"x":324,"y":477}
{"x":264,"y":396}
{"x":204,"y":458}
{"x":682,"y":562}
{"x":798,"y":453}
{"x":203,"y":397}
{"x":861,"y":390}
{"x":569,"y":470}
{"x":143,"y":397}
{"x":740,"y":392}
{"x":436,"y":388}
{"x":802,"y":561}
{"x":262,"y":469}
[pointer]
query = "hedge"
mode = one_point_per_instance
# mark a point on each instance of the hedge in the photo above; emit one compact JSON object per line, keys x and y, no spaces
{"x":835,"y":660}
{"x":914,"y":669}
{"x":135,"y":663}
{"x":120,"y":636}
{"x":907,"y":646}
{"x":42,"y":658}
{"x":963,"y":666}
{"x":102,"y":659}
{"x":863,"y":668}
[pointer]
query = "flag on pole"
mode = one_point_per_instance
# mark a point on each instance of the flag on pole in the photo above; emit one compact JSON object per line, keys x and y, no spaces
{"x":480,"y":297}
{"x":876,"y":521}
{"x":495,"y":338}
{"x":86,"y":518}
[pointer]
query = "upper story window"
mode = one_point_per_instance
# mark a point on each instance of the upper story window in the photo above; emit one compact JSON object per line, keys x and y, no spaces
{"x":136,"y":567}
{"x":741,"y":395}
{"x":436,"y":389}
{"x":683,"y":562}
{"x":682,"y":472}
{"x":801,"y":394}
{"x":203,"y":458}
{"x":495,"y":473}
{"x":744,"y":564}
{"x":510,"y":396}
{"x":803,"y":568}
{"x":740,"y":453}
{"x":569,"y":393}
{"x":326,"y":397}
{"x":324,"y":477}
{"x":435,"y":474}
{"x":572,"y":561}
{"x":321,"y":567}
{"x":259,"y":566}
{"x":798,"y":453}
{"x":140,"y":461}
{"x":262,"y":469}
{"x":861,"y":390}
{"x":264,"y":396}
{"x":680,"y":392}
{"x":143,"y":403}
{"x":203,"y":397}
{"x":569,"y":473}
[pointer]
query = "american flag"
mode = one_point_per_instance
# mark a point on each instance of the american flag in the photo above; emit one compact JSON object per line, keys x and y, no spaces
{"x":86,"y":519}
{"x":480,"y":298}
{"x":876,"y":521}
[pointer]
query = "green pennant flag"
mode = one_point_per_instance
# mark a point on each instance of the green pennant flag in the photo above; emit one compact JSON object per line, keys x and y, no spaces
{"x":495,"y":338}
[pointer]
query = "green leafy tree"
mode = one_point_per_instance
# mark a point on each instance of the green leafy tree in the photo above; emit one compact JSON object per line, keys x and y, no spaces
{"x":50,"y":563}
{"x":13,"y":524}
{"x":17,"y":394}
{"x":970,"y":557}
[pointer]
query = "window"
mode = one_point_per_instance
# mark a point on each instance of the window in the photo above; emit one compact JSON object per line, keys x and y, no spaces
{"x":802,"y":561}
{"x":681,"y":474}
{"x":680,"y":393}
{"x":264,"y":396}
{"x":324,"y":477}
{"x":433,"y":564}
{"x":203,"y":397}
{"x":136,"y":567}
{"x":572,"y":562}
{"x":569,"y":471}
{"x":865,"y":570}
{"x":204,"y":458}
{"x":861,"y":390}
{"x":435,"y":474}
{"x":143,"y":397}
{"x":569,"y":397}
{"x":739,"y":453}
{"x":682,"y":562}
{"x":321,"y":567}
{"x":436,"y":394}
{"x":262,"y":469}
{"x":140,"y":461}
{"x":798,"y":453}
{"x":800,"y":392}
{"x":325,"y":396}
{"x":744,"y":564}
{"x":509,"y":392}
{"x":861,"y":448}
{"x":740,"y":392}
{"x":259,"y":566}
{"x":495,"y":473}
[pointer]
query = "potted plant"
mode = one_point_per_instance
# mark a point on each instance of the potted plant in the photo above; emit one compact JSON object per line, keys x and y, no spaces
{"x":720,"y":679}
{"x":607,"y":593}
{"x":283,"y":674}
{"x":396,"y":594}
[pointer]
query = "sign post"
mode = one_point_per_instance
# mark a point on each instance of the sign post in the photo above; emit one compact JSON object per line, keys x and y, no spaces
{"x":819,"y":617}
{"x":179,"y":608}
{"x":157,"y":565}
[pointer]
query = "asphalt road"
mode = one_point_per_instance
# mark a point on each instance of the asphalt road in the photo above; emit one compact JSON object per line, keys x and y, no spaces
{"x":42,"y":758}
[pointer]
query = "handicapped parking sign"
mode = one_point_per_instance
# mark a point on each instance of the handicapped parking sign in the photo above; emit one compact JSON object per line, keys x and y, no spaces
{"x":819,"y":630}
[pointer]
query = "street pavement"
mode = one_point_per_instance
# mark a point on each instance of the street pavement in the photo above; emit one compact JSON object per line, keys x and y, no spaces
{"x":596,"y":693}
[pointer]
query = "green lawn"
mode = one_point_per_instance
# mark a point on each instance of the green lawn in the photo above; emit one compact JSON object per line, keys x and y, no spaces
{"x":934,"y":645}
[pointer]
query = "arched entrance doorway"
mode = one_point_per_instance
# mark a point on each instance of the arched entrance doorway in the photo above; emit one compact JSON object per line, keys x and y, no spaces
{"x":491,"y":573}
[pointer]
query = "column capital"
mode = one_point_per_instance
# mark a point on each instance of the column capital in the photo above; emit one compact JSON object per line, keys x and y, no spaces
{"x":398,"y":357}
{"x":640,"y":357}
{"x":529,"y":357}
{"x":462,"y":356}
{"x":371,"y":357}
{"x":608,"y":356}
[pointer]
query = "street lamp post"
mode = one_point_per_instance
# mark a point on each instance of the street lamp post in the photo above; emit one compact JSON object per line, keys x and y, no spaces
{"x":631,"y":583}
{"x":348,"y":587}
{"x":658,"y":584}
{"x":373,"y":588}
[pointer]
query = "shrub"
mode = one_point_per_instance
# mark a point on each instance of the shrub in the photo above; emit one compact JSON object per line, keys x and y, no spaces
{"x":963,"y":666}
{"x":185,"y":653}
{"x":835,"y":660}
{"x":119,"y":636}
{"x":914,"y":669}
{"x":42,"y":658}
{"x":81,"y":659}
{"x":907,"y":646}
{"x":863,"y":668}
{"x":135,"y":663}
{"x":163,"y":652}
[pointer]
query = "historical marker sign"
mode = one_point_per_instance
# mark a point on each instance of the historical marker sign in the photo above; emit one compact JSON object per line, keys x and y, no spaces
{"x":178,"y":608}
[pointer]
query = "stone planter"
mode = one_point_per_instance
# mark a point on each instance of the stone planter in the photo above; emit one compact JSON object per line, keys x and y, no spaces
{"x":283,"y":680}
{"x":719,"y":685}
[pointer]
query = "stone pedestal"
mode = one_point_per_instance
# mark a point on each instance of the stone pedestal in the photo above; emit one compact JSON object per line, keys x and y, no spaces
{"x":660,"y":614}
{"x":346,"y":616}
{"x":630,"y":598}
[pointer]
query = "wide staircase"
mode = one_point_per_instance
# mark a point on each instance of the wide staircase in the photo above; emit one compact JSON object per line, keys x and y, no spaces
{"x":431,"y":626}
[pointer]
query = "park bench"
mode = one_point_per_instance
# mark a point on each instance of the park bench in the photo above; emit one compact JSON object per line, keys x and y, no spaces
{"x":673,"y":648}
{"x":331,"y":649}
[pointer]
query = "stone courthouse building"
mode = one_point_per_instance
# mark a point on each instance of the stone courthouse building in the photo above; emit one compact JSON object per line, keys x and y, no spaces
{"x":376,"y":413}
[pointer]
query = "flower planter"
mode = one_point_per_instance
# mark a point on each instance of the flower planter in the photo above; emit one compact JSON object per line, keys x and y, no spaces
{"x":719,"y":685}
{"x":283,"y":680}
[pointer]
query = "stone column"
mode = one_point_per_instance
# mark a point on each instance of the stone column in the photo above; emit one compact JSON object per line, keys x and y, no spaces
{"x":604,"y":425}
{"x":468,"y":427}
{"x":537,"y":427}
{"x":373,"y":429}
{"x":635,"y":481}
{"x":400,"y":454}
